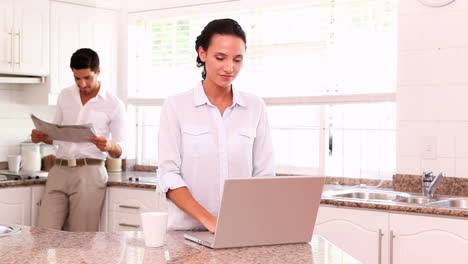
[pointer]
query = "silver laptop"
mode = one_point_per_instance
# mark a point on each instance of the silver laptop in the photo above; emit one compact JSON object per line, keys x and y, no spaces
{"x":264,"y":211}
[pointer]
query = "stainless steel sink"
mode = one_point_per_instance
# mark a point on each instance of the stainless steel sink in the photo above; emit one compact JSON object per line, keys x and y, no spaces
{"x":8,"y":230}
{"x":461,"y":203}
{"x":368,"y":195}
{"x":392,"y":197}
{"x":414,"y":199}
{"x":372,"y":195}
{"x":382,"y":196}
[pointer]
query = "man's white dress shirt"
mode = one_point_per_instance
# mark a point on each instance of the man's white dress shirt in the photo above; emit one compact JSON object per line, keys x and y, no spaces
{"x":105,"y":111}
{"x":199,"y":148}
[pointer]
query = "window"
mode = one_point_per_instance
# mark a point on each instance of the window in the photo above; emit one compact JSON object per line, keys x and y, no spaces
{"x":329,"y":80}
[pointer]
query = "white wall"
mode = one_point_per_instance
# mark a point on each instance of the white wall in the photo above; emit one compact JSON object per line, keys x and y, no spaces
{"x":432,"y":91}
{"x":15,"y":123}
{"x":11,"y":93}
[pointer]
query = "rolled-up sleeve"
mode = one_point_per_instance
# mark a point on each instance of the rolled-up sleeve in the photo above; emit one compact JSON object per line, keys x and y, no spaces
{"x":169,"y":138}
{"x":263,"y":159}
{"x":118,"y":128}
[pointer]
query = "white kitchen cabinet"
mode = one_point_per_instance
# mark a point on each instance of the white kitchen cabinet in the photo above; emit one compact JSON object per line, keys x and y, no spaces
{"x":24,"y":37}
{"x":37,"y":191}
{"x":427,"y":239}
{"x":396,"y":237}
{"x":15,"y":205}
{"x":360,"y":233}
{"x":74,"y":27}
{"x":125,"y":205}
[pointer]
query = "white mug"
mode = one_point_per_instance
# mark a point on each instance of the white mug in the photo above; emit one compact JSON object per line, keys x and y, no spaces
{"x":154,"y":228}
{"x":14,"y":163}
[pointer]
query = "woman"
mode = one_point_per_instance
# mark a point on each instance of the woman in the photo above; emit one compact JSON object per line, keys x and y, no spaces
{"x":211,"y":133}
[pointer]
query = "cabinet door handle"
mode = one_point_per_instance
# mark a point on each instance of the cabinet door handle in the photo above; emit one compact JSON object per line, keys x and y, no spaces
{"x":129,"y":225}
{"x":129,"y":207}
{"x":19,"y":48}
{"x":330,"y":141}
{"x":380,"y":245}
{"x":11,"y":46}
{"x":392,"y":236}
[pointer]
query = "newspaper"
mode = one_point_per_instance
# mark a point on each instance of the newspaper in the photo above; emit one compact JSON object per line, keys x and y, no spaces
{"x":70,"y":133}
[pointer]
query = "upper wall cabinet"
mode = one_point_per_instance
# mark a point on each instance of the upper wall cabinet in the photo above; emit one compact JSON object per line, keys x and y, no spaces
{"x":24,"y":37}
{"x":75,"y":27}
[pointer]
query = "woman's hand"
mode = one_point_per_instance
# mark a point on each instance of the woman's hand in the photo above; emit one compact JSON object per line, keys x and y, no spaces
{"x":185,"y":201}
{"x":210,"y":223}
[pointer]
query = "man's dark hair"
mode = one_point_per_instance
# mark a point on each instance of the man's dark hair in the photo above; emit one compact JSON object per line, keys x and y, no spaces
{"x":224,"y":26}
{"x":84,"y":59}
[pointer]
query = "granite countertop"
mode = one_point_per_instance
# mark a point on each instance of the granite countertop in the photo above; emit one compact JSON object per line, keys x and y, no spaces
{"x":41,"y":245}
{"x":410,"y":208}
{"x":146,"y":180}
{"x":394,"y":207}
{"x":139,"y":179}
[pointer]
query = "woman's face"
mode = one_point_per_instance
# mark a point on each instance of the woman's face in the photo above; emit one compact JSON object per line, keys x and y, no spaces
{"x":223,"y":59}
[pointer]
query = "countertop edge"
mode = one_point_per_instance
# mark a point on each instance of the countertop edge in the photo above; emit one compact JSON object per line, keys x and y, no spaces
{"x":416,"y":209}
{"x":421,"y":209}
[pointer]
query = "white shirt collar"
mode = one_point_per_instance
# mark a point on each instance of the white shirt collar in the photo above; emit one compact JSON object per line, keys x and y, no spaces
{"x":200,"y":98}
{"x":101,"y":93}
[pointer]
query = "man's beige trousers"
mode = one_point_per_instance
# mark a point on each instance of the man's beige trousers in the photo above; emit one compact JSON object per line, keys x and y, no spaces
{"x":73,"y":198}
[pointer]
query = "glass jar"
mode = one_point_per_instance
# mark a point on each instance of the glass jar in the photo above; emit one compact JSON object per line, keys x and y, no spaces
{"x":30,"y":157}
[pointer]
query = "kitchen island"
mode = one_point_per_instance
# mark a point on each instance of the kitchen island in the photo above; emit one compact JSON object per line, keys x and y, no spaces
{"x":41,"y":245}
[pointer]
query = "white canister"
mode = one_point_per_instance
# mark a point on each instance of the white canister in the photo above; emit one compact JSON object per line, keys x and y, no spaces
{"x":31,"y":157}
{"x":113,"y":164}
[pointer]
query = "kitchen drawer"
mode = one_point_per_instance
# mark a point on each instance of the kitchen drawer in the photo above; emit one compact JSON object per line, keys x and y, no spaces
{"x":133,"y":200}
{"x":119,"y":221}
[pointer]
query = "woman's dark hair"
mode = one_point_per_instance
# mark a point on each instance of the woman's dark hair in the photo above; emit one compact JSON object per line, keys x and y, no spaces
{"x":224,"y":26}
{"x":84,"y":59}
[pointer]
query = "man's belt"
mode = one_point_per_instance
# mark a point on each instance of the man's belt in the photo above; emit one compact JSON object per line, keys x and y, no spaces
{"x":78,"y":162}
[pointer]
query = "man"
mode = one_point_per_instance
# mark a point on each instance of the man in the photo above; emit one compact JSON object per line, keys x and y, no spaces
{"x":76,"y":185}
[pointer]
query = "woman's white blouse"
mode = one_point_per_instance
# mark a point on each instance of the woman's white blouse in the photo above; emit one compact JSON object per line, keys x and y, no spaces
{"x":199,"y":148}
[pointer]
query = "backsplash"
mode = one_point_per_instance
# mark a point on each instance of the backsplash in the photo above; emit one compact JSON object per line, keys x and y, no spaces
{"x":11,"y":93}
{"x":358,"y":181}
{"x":411,"y":183}
{"x":432,"y":80}
{"x":448,"y":186}
{"x":15,"y":118}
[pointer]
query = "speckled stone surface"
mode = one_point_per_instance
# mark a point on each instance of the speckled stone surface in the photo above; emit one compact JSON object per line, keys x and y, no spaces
{"x":417,"y":209}
{"x":147,"y":168}
{"x":357,"y":181}
{"x":22,"y":183}
{"x":146,"y":180}
{"x":448,"y":185}
{"x":40,"y":246}
{"x":405,"y":183}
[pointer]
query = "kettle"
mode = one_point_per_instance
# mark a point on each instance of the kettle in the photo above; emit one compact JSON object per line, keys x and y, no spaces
{"x":30,"y":156}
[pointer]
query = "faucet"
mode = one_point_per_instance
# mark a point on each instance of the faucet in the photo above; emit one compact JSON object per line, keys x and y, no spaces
{"x":430,"y":183}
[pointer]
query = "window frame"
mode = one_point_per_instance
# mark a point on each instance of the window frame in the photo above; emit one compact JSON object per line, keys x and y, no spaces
{"x":321,"y":101}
